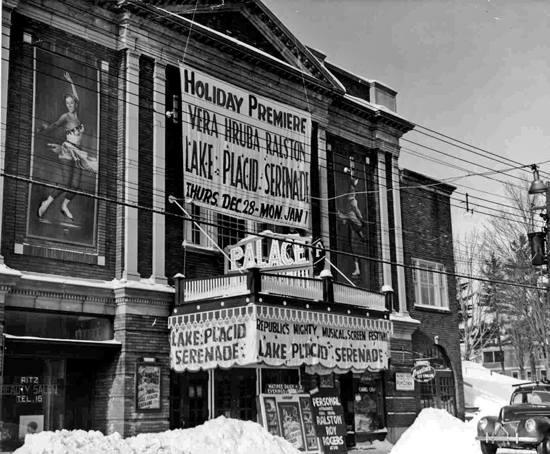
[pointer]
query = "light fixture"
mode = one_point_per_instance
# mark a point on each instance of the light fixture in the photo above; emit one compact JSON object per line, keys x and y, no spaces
{"x":537,"y":185}
{"x":537,"y":191}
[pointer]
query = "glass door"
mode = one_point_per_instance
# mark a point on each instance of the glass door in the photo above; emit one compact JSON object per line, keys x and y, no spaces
{"x":235,"y":393}
{"x":189,"y":399}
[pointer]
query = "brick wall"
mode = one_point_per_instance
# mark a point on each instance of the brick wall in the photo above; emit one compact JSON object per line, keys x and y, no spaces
{"x":141,"y":336}
{"x":75,"y":260}
{"x":427,"y":234}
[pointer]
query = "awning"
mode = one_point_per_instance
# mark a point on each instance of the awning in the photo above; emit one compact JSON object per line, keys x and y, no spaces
{"x":47,"y":346}
{"x":278,"y":336}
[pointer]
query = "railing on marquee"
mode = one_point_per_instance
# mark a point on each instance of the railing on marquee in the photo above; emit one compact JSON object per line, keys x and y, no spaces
{"x":215,"y":287}
{"x":346,"y":294}
{"x":299,"y":287}
{"x":280,"y":283}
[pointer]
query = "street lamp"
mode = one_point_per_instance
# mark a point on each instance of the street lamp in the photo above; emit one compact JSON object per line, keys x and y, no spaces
{"x":539,"y":193}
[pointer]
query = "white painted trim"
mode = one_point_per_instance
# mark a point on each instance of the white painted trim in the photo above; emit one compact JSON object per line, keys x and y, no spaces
{"x":433,"y":308}
{"x":323,"y":192}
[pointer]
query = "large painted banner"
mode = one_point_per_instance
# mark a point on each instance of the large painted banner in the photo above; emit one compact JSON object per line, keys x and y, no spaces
{"x":243,"y":154}
{"x":278,"y":337}
{"x":65,"y":150}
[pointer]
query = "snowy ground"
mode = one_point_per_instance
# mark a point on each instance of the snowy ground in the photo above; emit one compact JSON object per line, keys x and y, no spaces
{"x":218,"y":436}
{"x":433,"y":432}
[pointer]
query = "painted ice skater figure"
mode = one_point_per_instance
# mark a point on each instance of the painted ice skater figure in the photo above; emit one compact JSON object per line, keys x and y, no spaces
{"x":72,"y":158}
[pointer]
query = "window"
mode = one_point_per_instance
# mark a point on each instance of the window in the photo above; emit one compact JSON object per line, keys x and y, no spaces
{"x":230,"y":230}
{"x":515,"y":375}
{"x":430,"y":284}
{"x":198,"y":231}
{"x":210,"y":227}
{"x":493,"y":357}
{"x":488,"y":357}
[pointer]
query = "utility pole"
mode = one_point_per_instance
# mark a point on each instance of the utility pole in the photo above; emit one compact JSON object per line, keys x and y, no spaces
{"x":539,"y":191}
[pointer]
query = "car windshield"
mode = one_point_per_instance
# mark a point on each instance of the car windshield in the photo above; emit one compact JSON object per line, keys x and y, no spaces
{"x":532,"y":397}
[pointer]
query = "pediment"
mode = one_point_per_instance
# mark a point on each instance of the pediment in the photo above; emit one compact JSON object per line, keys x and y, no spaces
{"x":253,"y":24}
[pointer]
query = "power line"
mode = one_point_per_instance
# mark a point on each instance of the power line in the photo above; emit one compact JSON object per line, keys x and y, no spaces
{"x":344,"y":253}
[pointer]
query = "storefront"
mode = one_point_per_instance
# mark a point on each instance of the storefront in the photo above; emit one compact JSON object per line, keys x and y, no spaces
{"x":222,"y":360}
{"x":50,"y":358}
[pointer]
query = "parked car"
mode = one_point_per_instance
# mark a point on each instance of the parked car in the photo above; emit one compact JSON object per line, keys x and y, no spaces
{"x":524,"y":424}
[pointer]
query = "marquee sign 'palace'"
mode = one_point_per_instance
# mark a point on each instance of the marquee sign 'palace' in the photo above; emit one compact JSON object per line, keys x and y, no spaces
{"x":244,"y":154}
{"x":269,"y":250}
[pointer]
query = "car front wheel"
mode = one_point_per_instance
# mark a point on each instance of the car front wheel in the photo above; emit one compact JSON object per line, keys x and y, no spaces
{"x":542,"y":448}
{"x":488,"y":448}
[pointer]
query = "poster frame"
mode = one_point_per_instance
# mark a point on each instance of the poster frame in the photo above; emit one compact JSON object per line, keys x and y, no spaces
{"x":42,"y":238}
{"x":295,"y":400}
{"x":139,"y":381}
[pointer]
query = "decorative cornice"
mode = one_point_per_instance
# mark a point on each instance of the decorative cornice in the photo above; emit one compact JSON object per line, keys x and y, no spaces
{"x":226,"y":44}
{"x":403,"y":326}
{"x":79,"y":297}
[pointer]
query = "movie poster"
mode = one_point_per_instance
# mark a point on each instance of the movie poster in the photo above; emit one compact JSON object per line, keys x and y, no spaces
{"x":292,"y":429}
{"x":65,"y":150}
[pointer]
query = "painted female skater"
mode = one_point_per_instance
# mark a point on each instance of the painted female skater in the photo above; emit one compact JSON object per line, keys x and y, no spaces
{"x":72,"y":158}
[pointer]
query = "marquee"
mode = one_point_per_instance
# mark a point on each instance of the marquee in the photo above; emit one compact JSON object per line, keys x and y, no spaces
{"x":278,"y":337}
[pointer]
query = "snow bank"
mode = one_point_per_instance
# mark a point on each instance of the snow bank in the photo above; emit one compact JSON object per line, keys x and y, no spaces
{"x":218,"y":436}
{"x":435,"y":431}
{"x":486,"y":389}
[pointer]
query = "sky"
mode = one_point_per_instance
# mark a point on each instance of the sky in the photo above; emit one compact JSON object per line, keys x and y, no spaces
{"x":475,"y":70}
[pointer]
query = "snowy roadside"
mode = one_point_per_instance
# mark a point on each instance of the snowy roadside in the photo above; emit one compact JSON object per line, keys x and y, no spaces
{"x":433,"y":431}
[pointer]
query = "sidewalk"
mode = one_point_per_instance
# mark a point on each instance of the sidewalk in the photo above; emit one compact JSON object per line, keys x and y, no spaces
{"x":376,"y":447}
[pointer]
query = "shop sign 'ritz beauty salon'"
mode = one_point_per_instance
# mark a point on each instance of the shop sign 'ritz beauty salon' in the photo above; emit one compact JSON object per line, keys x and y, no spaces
{"x":244,"y":155}
{"x":278,"y":337}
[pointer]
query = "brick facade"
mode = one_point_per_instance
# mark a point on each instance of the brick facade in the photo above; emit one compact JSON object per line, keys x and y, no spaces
{"x":427,"y":234}
{"x":58,"y":277}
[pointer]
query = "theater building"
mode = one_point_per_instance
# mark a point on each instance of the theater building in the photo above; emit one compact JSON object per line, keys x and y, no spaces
{"x":196,"y":208}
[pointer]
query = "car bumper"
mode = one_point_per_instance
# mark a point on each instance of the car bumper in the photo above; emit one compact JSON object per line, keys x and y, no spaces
{"x":508,"y":439}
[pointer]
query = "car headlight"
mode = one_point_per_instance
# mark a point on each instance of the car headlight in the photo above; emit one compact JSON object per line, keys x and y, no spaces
{"x":483,"y":423}
{"x":530,"y":425}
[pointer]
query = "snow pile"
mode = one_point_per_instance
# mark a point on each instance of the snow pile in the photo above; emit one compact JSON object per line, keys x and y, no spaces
{"x":435,"y":431}
{"x":217,"y":436}
{"x":73,"y":441}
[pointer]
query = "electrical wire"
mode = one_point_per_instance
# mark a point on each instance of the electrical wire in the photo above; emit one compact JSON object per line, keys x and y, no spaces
{"x":388,"y":189}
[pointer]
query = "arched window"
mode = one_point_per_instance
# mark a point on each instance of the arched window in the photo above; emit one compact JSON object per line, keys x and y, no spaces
{"x":439,"y":392}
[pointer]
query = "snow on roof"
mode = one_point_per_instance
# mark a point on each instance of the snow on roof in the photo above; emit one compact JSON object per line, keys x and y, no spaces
{"x":142,"y":284}
{"x":364,"y":79}
{"x":374,"y":106}
{"x":62,"y":340}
